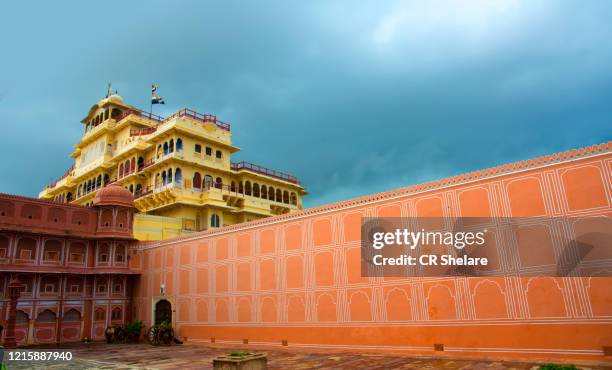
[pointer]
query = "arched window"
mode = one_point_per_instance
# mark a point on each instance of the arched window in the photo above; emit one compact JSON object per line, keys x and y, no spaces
{"x":208,"y":150}
{"x":106,"y":179}
{"x":247,"y":188}
{"x":163,"y":177}
{"x":156,"y":180}
{"x":99,"y":182}
{"x":165,"y":148}
{"x":169,"y":177}
{"x":69,"y":197}
{"x":240,"y":188}
{"x":99,"y":314}
{"x":159,"y":151}
{"x":178,"y":177}
{"x":264,"y":192}
{"x":271,"y":193}
{"x":214,"y":220}
{"x":286,"y":197}
{"x":46,"y":316}
{"x":138,"y":189}
{"x":115,"y":113}
{"x":116,"y":314}
{"x":140,"y":163}
{"x":198,"y":148}
{"x":218,"y":154}
{"x":197,"y":180}
{"x":22,"y":318}
{"x":179,"y":145}
{"x":80,"y":188}
{"x":256,"y":190}
{"x":121,"y":170}
{"x":219,"y":183}
{"x":294,"y":199}
{"x":132,"y":188}
{"x":132,"y":165}
{"x":171,"y":146}
{"x":72,"y":315}
{"x":233,"y":186}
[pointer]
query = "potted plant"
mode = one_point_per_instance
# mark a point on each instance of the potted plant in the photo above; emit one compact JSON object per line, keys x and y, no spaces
{"x":133,"y":330}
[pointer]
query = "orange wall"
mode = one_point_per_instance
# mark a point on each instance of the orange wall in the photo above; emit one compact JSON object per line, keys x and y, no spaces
{"x":297,"y":277}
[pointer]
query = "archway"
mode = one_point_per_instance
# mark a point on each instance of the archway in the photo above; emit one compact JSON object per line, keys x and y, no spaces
{"x":163,"y":312}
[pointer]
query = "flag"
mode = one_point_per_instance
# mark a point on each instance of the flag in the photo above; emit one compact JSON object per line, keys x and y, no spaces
{"x":156,"y":99}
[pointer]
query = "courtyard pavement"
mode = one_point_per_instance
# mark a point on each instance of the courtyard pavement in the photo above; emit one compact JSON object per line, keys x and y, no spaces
{"x":200,"y":355}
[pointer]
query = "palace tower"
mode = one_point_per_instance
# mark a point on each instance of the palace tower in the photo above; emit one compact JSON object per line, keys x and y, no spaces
{"x":177,"y":168}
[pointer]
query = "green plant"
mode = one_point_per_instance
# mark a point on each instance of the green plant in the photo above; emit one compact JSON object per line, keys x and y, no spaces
{"x":241,"y":354}
{"x":558,"y":367}
{"x":133,"y":330}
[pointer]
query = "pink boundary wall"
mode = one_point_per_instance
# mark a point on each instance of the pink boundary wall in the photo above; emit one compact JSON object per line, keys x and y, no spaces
{"x":296,"y":278}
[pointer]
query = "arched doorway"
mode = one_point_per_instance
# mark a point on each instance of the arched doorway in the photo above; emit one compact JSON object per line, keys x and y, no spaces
{"x":163,"y":312}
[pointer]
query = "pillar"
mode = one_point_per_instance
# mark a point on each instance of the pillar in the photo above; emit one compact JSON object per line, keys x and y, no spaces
{"x":14,"y":289}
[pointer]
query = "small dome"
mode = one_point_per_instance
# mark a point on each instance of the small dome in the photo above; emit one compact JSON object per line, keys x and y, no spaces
{"x":114,"y":195}
{"x":115,"y":99}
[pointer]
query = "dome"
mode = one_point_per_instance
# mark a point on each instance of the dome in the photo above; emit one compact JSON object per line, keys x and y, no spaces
{"x":116,"y":99}
{"x":114,"y":195}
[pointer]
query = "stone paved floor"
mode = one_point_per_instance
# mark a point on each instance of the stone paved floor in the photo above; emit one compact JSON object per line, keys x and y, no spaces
{"x":199,"y":356}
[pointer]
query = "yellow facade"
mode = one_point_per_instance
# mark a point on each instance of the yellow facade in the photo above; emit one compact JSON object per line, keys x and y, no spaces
{"x":178,"y":168}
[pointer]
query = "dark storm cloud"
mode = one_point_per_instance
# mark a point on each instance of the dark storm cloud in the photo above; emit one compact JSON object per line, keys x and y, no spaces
{"x":352,"y":99}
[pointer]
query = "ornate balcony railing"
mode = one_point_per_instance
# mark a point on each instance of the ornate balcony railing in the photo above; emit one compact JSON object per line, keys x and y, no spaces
{"x":68,"y":173}
{"x":264,"y":171}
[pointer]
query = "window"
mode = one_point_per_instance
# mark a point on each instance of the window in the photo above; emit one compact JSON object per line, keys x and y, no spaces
{"x":214,"y":220}
{"x":116,"y":314}
{"x":103,"y":258}
{"x":74,"y":288}
{"x":117,"y":288}
{"x":100,"y":315}
{"x":51,"y":256}
{"x":198,"y":148}
{"x":76,"y":257}
{"x":25,"y":254}
{"x":218,"y":154}
{"x":49,"y":288}
{"x":208,"y":150}
{"x":2,"y":252}
{"x":102,"y":288}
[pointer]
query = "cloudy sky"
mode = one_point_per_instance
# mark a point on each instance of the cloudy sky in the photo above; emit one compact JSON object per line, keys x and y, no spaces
{"x":353,"y":99}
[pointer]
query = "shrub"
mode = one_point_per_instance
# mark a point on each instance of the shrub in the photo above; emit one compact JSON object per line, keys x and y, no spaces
{"x":558,"y":367}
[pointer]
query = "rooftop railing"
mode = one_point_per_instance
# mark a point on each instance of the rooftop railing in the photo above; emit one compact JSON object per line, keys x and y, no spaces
{"x":68,"y":173}
{"x":264,"y":171}
{"x":181,"y":113}
{"x":186,"y":112}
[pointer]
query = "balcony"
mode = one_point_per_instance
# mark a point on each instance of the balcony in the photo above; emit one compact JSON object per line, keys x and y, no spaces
{"x":264,"y":171}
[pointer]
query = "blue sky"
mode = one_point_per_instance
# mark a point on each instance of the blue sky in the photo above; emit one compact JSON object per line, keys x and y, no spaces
{"x":351,"y":98}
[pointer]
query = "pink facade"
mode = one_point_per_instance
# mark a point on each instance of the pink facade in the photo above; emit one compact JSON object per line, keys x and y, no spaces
{"x":295,"y":279}
{"x":72,"y":265}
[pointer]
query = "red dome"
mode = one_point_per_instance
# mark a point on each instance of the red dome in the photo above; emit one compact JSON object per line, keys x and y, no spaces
{"x":114,"y":195}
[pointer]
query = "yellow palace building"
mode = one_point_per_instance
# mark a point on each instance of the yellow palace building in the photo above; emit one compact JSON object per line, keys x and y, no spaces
{"x":178,"y":169}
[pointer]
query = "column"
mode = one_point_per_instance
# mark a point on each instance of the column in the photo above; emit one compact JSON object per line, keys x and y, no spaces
{"x":14,"y":289}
